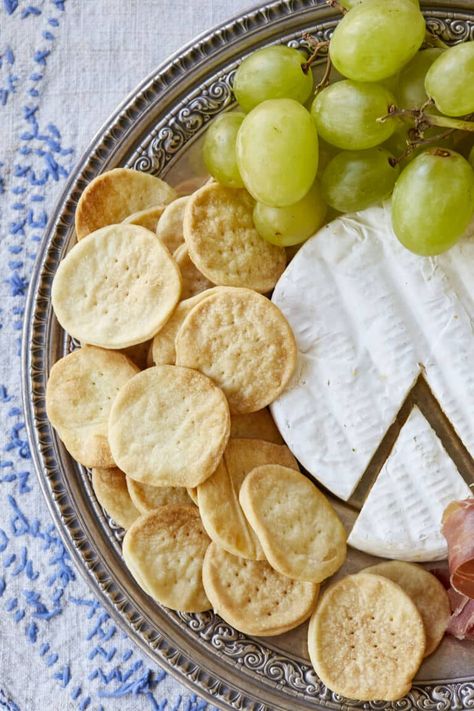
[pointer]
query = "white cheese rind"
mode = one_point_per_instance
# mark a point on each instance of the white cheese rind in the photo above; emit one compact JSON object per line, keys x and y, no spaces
{"x":401,"y":517}
{"x":367,"y":314}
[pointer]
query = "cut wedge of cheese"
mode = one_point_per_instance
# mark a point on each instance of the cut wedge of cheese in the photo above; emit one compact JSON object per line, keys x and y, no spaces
{"x":401,"y":517}
{"x":368,"y":315}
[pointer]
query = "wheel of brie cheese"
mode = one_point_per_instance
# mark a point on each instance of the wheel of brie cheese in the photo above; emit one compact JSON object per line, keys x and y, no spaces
{"x":369,"y":317}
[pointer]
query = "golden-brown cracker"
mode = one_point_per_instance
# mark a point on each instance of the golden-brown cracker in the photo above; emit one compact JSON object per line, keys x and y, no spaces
{"x":190,"y":185}
{"x":298,"y":529}
{"x":163,"y":350}
{"x":223,"y":242}
{"x":241,"y":341}
{"x":169,"y":427}
{"x":147,"y":498}
{"x":366,"y":639}
{"x":110,"y":488}
{"x":427,"y":593}
{"x":170,"y":225}
{"x":218,"y":496}
{"x":255,"y":425}
{"x":146,"y":218}
{"x":116,"y":289}
{"x":79,"y":395}
{"x":193,"y":281}
{"x":116,"y":194}
{"x":254,"y":598}
{"x":193,"y":494}
{"x":164,"y":551}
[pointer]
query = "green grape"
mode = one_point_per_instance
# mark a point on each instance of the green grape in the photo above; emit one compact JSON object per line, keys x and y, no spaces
{"x":286,"y":226}
{"x":349,"y":4}
{"x":219,"y":149}
{"x":450,"y":80}
{"x":277,"y":152}
{"x":411,"y":92}
{"x":346,"y":114}
{"x":433,"y":201}
{"x":272,"y":73}
{"x":353,"y":180}
{"x":471,"y":156}
{"x":376,"y":38}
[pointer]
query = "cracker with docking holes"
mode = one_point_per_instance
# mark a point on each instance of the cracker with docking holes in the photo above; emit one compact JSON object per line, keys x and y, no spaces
{"x":255,"y":425}
{"x":117,"y":288}
{"x":223,"y":242}
{"x":170,"y":225}
{"x":254,"y":598}
{"x":366,"y":638}
{"x":164,"y":551}
{"x":169,"y":426}
{"x":240,"y":340}
{"x":110,"y":488}
{"x":147,"y":498}
{"x":300,"y":533}
{"x":146,"y":218}
{"x":113,"y":196}
{"x":427,"y":593}
{"x":193,"y":281}
{"x":79,"y":395}
{"x":218,"y":496}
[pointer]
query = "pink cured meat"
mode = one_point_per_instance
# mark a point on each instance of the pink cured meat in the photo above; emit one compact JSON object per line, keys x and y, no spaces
{"x":461,"y":622}
{"x":458,"y":529}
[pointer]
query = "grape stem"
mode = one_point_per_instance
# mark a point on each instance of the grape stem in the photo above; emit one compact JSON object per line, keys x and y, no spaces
{"x":337,"y":6}
{"x":317,"y":46}
{"x":434,"y":40}
{"x":323,"y":83}
{"x":424,"y":119}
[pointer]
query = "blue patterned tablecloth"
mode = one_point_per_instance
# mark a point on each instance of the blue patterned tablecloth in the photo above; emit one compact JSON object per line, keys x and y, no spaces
{"x":64,"y":65}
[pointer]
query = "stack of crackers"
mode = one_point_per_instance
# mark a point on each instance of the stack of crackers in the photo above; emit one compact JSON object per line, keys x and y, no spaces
{"x":166,"y":402}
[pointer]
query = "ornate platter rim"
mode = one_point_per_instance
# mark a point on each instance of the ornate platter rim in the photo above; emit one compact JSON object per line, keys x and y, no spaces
{"x":207,"y":674}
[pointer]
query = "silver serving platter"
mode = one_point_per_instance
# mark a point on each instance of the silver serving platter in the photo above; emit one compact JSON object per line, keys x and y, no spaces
{"x":158,"y":129}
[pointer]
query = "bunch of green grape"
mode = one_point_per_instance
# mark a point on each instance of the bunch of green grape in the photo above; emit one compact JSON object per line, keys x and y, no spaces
{"x":344,"y":146}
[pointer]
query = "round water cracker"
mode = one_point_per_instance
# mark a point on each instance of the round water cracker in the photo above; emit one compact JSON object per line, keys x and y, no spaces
{"x":110,"y":488}
{"x":254,"y":598}
{"x":243,"y":343}
{"x":298,"y":529}
{"x":164,"y":551}
{"x":116,"y":194}
{"x":170,"y":225}
{"x":163,"y":350}
{"x":146,"y":218}
{"x":427,"y":593}
{"x":117,"y":288}
{"x":223,"y":242}
{"x":193,"y":281}
{"x":169,"y":426}
{"x":255,"y":425}
{"x":218,"y":497}
{"x":147,"y":498}
{"x":366,"y":639}
{"x":79,"y":395}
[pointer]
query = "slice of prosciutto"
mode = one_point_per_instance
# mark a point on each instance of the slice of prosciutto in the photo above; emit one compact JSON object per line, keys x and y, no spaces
{"x":458,"y":529}
{"x":461,"y":622}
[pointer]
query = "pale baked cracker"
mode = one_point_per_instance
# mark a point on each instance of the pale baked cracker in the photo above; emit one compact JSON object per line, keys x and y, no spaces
{"x":147,"y":498}
{"x":300,"y":533}
{"x":164,"y":551}
{"x":79,"y":395}
{"x":254,"y":598}
{"x":427,"y":593}
{"x":255,"y":425}
{"x":223,"y":242}
{"x":169,"y":426}
{"x":116,"y":194}
{"x":146,"y":218}
{"x":243,"y":343}
{"x":170,"y":225}
{"x":218,"y":496}
{"x":366,"y":639}
{"x":117,"y":288}
{"x":193,"y":281}
{"x":110,"y":488}
{"x":163,"y":350}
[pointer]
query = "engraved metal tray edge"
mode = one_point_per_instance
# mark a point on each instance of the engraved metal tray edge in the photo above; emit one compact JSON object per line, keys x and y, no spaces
{"x":234,"y":691}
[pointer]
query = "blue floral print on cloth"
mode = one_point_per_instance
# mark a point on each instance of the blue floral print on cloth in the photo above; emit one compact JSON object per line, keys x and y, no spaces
{"x":64,"y":65}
